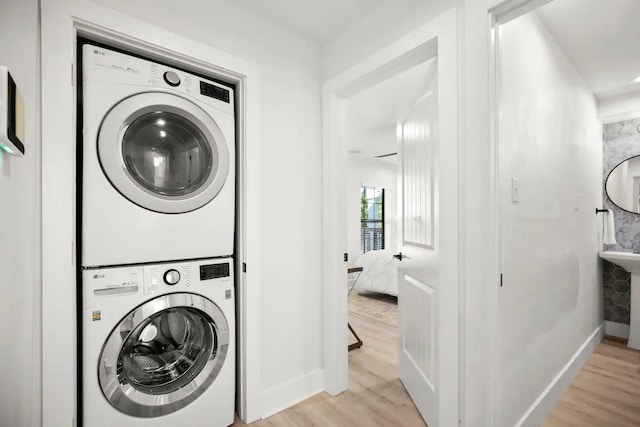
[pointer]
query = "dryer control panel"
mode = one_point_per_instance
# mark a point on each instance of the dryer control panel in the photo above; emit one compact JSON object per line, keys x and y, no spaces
{"x":110,"y":66}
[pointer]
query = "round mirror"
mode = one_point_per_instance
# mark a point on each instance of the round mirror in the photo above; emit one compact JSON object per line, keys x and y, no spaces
{"x":623,"y":185}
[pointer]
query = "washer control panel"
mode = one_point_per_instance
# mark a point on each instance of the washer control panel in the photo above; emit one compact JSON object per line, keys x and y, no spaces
{"x":171,"y":277}
{"x":160,"y":277}
{"x":174,"y":276}
{"x":214,"y":271}
{"x":111,"y":284}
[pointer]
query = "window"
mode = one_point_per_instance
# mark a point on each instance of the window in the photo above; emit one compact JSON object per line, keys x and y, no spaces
{"x":371,"y":219}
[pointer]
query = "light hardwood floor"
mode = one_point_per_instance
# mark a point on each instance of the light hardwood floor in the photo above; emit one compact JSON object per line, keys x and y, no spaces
{"x":606,"y":392}
{"x":375,"y":397}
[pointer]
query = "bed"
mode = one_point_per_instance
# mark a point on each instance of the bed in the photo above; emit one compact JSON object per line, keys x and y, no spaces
{"x":379,"y":272}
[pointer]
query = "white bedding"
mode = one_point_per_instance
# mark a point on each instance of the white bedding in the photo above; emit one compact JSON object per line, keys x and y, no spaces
{"x":379,"y":272}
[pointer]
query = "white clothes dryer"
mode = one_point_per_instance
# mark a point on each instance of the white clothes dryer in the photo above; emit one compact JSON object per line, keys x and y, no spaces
{"x":158,"y":162}
{"x":159,"y":345}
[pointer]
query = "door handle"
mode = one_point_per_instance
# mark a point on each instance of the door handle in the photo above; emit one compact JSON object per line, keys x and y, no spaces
{"x":398,"y":256}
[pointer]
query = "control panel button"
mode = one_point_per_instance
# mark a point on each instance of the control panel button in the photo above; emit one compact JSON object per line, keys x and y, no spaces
{"x":172,"y":78}
{"x":171,"y":277}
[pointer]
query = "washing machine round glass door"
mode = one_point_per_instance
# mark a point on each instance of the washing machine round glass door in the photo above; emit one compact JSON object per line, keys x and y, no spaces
{"x":163,"y":355}
{"x":163,"y":152}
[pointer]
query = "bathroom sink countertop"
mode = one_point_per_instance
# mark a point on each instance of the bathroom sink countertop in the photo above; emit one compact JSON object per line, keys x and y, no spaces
{"x":630,"y":261}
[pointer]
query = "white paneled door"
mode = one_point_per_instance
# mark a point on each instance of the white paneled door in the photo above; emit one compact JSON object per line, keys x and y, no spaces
{"x":419,"y":274}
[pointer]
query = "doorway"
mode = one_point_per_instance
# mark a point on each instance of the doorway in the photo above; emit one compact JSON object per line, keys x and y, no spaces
{"x":374,"y":123}
{"x":428,"y":239}
{"x":558,"y":74}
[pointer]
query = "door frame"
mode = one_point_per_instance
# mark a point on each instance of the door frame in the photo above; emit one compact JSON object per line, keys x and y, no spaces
{"x":61,"y":22}
{"x":412,"y":49}
{"x":499,"y":15}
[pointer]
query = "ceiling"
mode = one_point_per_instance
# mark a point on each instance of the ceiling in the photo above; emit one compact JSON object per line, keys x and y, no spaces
{"x":601,"y":38}
{"x":319,"y":21}
{"x":373,"y":114}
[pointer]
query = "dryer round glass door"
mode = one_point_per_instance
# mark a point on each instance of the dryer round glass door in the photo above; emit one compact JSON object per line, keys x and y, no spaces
{"x":163,"y":355}
{"x":166,"y":154}
{"x":163,"y":152}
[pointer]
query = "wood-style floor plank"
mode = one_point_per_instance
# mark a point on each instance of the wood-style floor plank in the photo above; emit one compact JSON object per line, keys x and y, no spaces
{"x":375,"y":397}
{"x":606,"y":392}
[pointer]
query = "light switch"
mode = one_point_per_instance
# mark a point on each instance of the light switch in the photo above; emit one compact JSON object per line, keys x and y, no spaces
{"x":515,"y":190}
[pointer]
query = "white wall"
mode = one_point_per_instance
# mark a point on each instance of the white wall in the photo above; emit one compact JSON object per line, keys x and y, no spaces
{"x":551,"y":140}
{"x":371,"y":173}
{"x":20,"y":328}
{"x":386,"y":23}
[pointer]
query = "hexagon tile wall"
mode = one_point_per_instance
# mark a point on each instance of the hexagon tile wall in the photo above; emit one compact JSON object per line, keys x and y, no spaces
{"x":617,"y":293}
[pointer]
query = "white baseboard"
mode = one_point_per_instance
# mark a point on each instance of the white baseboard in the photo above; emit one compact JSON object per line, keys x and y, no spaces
{"x":285,"y":395}
{"x":614,"y":329}
{"x":543,"y":405}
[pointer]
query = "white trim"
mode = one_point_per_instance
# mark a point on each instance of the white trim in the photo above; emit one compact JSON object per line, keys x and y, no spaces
{"x":512,"y":9}
{"x":286,"y":395}
{"x":61,"y":20}
{"x":614,"y":329}
{"x":417,"y":46}
{"x":495,"y":244}
{"x":621,"y":117}
{"x":38,"y":361}
{"x":547,"y":400}
{"x":619,"y":108}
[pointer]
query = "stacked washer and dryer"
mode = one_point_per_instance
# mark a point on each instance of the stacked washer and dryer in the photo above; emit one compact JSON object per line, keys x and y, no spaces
{"x":158,"y":220}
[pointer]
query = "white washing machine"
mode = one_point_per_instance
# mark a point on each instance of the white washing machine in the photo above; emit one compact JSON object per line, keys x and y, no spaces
{"x":159,"y":345}
{"x":158,"y":162}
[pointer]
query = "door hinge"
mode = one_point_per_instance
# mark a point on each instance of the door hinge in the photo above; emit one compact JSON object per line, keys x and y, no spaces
{"x":500,"y":279}
{"x":244,"y":267}
{"x":346,"y":257}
